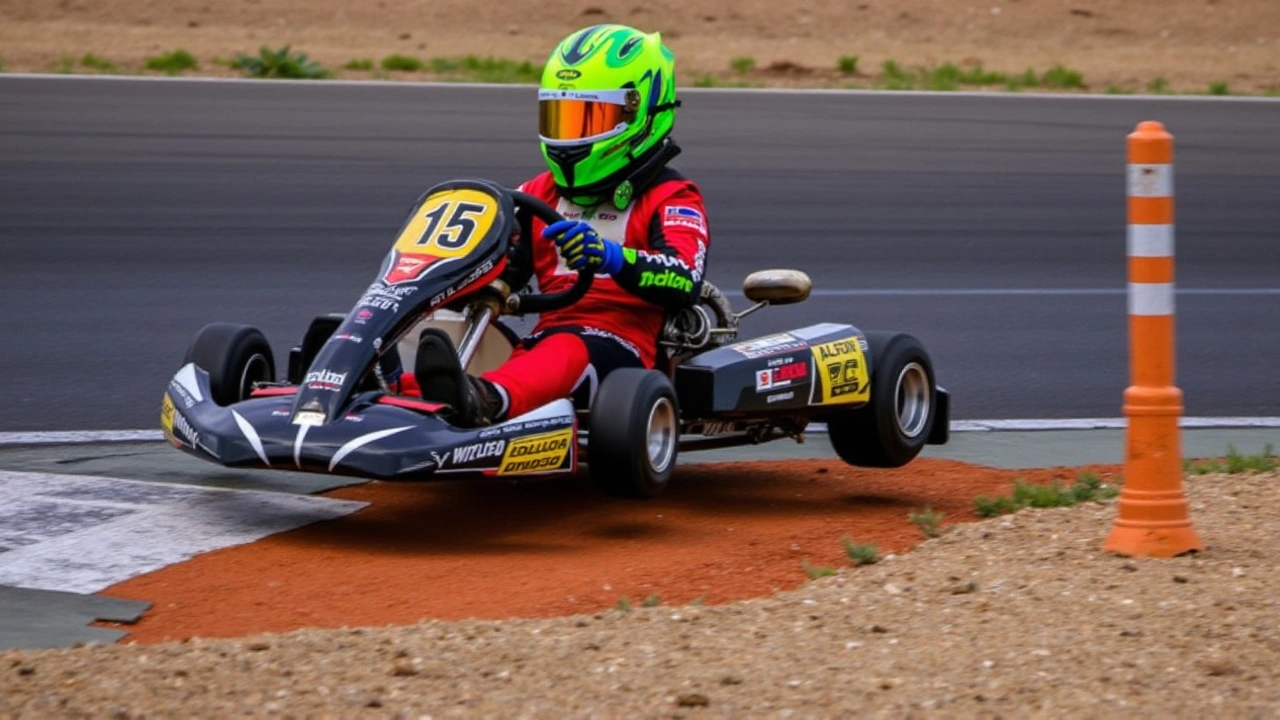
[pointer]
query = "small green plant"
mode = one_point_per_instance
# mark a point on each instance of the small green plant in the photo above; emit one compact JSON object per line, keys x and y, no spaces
{"x":486,"y":69}
{"x":705,"y":80}
{"x":894,"y":77}
{"x":93,"y":62}
{"x":1234,"y":462}
{"x":65,"y":66}
{"x":848,"y":64}
{"x":282,"y":63}
{"x":652,"y":601}
{"x":928,"y":520}
{"x":817,"y":571}
{"x":1117,"y":90}
{"x":359,"y":64}
{"x":624,"y":604}
{"x":866,"y":554}
{"x":173,"y":63}
{"x":743,"y":65}
{"x":989,"y":507}
{"x":1159,"y":86}
{"x":1028,"y":79}
{"x":1088,"y":487}
{"x":1060,"y":76}
{"x":402,"y":63}
{"x":1219,"y":88}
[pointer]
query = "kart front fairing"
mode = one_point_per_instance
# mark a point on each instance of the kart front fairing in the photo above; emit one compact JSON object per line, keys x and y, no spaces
{"x":339,"y":416}
{"x":380,"y":436}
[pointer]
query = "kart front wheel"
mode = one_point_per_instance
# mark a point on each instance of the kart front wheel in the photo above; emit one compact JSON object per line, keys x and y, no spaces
{"x":893,"y":427}
{"x":235,"y":356}
{"x":635,"y":433}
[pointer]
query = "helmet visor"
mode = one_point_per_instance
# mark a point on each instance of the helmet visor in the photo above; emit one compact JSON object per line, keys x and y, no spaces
{"x":566,"y":116}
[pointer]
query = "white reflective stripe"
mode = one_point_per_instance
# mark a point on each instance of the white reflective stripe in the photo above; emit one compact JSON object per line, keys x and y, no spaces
{"x":252,"y":436}
{"x":1150,"y":298}
{"x":186,"y":377}
{"x":1150,"y":241}
{"x":356,"y":444}
{"x":297,"y":443}
{"x":1150,"y":180}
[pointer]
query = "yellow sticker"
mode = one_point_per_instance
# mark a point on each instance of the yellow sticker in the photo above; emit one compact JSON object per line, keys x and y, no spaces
{"x":843,"y":368}
{"x":449,"y":223}
{"x":537,"y":453}
{"x":166,"y":416}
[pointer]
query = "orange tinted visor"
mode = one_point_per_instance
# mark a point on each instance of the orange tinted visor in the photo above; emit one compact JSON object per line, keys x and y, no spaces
{"x":564,"y":119}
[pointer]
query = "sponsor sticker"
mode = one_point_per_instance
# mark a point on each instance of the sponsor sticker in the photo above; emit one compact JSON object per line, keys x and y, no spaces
{"x":407,"y":268}
{"x":781,"y":374}
{"x":780,"y":397}
{"x":166,"y":416}
{"x":480,"y":271}
{"x":349,"y":337}
{"x":363,"y":315}
{"x":842,"y":366}
{"x":176,"y":388}
{"x":538,"y":453}
{"x":769,"y":345}
{"x":325,"y":380}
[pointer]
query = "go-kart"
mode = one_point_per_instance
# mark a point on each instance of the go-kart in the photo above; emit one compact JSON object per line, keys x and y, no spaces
{"x":336,"y":411}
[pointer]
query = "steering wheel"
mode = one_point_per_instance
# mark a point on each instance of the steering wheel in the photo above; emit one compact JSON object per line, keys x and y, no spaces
{"x":545,"y":302}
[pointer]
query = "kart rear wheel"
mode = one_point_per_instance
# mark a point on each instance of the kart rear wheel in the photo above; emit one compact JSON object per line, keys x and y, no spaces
{"x":893,"y":427}
{"x":235,"y":356}
{"x":635,"y":433}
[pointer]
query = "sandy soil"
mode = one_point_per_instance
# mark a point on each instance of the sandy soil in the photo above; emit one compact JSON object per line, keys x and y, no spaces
{"x":1021,"y":616}
{"x":1120,"y":43}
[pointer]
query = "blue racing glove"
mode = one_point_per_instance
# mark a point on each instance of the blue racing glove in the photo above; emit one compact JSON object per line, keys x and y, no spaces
{"x":581,"y":247}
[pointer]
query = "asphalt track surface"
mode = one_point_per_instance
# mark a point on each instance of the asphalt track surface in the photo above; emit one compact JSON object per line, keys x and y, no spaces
{"x":133,"y":212}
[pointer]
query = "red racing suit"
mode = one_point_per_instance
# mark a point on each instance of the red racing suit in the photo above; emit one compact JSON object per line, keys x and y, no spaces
{"x":664,"y":235}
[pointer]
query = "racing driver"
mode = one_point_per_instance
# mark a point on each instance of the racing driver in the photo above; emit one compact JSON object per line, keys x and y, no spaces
{"x":606,"y":107}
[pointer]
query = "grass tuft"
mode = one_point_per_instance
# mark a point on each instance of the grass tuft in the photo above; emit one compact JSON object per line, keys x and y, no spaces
{"x":173,"y":63}
{"x":282,"y":63}
{"x":848,"y":64}
{"x":652,"y":601}
{"x":1088,"y":487}
{"x":743,"y":65}
{"x":93,"y":62}
{"x":1219,"y":88}
{"x":866,"y":554}
{"x":1060,"y":76}
{"x":1159,"y":86}
{"x":1234,"y":462}
{"x":402,"y":63}
{"x":486,"y":69}
{"x":624,"y":604}
{"x":817,"y":571}
{"x":928,"y":520}
{"x":359,"y":64}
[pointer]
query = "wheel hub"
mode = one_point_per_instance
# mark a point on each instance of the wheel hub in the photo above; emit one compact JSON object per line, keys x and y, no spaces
{"x":661,"y":434}
{"x":911,"y":399}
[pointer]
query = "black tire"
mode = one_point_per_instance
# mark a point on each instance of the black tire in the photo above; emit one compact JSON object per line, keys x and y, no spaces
{"x":893,"y":427}
{"x":631,"y":405}
{"x":235,"y":356}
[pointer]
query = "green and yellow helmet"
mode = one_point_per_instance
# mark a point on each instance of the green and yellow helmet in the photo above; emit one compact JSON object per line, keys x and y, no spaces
{"x":607,"y":101}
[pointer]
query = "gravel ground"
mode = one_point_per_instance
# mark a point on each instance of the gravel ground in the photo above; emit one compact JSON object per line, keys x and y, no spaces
{"x":1021,"y":616}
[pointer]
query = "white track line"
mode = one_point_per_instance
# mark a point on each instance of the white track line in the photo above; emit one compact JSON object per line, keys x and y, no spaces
{"x":74,"y":437}
{"x":683,"y":91}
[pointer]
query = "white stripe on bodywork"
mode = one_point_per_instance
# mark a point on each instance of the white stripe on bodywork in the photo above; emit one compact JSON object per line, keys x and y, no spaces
{"x":297,"y":444}
{"x":357,"y":443}
{"x":1150,"y":298}
{"x":186,"y":377}
{"x":1150,"y":181}
{"x":1150,"y":241}
{"x":252,"y":436}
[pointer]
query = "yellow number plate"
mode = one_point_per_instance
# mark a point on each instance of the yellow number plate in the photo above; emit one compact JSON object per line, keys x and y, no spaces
{"x":448,"y":224}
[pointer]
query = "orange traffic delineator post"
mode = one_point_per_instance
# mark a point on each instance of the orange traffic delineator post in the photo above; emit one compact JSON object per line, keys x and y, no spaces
{"x":1153,"y":518}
